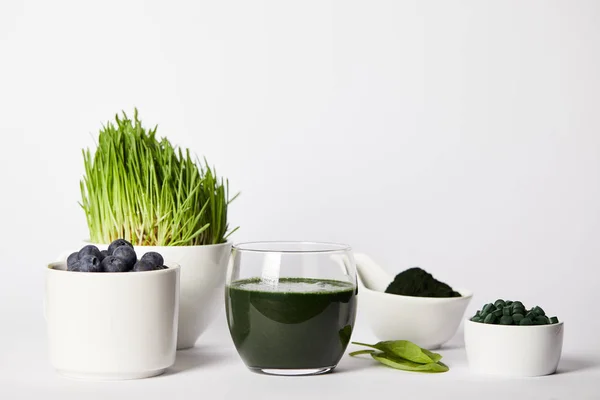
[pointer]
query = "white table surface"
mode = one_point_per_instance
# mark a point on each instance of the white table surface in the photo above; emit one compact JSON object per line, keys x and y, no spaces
{"x":212,"y":370}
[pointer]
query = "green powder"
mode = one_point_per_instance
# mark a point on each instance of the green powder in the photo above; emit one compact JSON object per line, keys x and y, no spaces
{"x":418,"y":282}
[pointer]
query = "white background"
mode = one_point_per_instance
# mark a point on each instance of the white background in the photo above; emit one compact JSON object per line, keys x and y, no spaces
{"x":459,"y":136}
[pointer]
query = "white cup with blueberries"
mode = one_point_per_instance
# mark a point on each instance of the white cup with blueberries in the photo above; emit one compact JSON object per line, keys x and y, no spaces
{"x":123,"y":324}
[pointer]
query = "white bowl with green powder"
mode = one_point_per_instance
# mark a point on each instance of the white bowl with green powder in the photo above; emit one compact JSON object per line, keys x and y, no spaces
{"x":428,"y":322}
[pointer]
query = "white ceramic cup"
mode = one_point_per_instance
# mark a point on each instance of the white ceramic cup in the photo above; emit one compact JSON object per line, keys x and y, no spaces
{"x":202,"y":283}
{"x":513,"y":351}
{"x":111,"y":326}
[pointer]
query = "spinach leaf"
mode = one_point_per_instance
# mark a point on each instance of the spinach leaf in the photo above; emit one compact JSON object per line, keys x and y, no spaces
{"x":405,"y":349}
{"x":435,"y":357}
{"x":404,"y":355}
{"x":400,"y":363}
{"x":359,"y":352}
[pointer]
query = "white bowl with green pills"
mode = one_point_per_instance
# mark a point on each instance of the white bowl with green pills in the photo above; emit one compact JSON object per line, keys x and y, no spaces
{"x":508,"y":340}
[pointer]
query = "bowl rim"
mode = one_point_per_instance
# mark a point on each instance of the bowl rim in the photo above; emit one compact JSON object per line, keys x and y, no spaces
{"x":279,"y":246}
{"x":51,"y":268}
{"x":465,"y":296}
{"x":498,"y":326}
{"x":227,"y":243}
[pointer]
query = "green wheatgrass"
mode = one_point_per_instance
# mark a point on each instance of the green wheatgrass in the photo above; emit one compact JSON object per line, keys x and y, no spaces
{"x":150,"y":192}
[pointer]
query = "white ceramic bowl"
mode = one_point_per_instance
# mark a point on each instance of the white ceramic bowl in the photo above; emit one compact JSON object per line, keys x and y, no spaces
{"x":513,"y":351}
{"x":107,"y":326}
{"x":427,"y":321}
{"x":203,"y":271}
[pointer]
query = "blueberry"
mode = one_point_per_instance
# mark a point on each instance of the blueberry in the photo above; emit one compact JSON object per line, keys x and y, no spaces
{"x":114,"y":264}
{"x":144,"y":266}
{"x":90,"y":250}
{"x":104,"y":253}
{"x":117,"y":243}
{"x":127,"y":254}
{"x":90,"y":263}
{"x":74,"y":266}
{"x":153,"y":258}
{"x":72,"y":259}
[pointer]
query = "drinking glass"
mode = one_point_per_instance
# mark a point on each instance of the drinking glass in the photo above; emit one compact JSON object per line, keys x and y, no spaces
{"x":291,"y":306}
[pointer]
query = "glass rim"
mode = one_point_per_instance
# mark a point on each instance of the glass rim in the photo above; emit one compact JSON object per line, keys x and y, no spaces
{"x":272,"y":247}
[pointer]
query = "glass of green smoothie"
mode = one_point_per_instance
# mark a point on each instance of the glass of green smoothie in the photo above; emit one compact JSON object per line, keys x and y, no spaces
{"x":291,"y":305}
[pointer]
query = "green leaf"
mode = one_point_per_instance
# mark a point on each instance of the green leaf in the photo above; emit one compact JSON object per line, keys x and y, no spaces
{"x":406,"y":365}
{"x":359,"y":352}
{"x":406,"y":350}
{"x":435,"y":357}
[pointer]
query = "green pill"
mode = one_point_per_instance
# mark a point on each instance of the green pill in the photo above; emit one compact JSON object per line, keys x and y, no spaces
{"x":508,"y":312}
{"x":538,"y":310}
{"x":518,"y":304}
{"x":517,"y":318}
{"x":531,"y":315}
{"x":490,"y":319}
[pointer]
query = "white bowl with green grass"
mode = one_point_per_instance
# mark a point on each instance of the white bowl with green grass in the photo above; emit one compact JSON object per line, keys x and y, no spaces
{"x":160,"y":198}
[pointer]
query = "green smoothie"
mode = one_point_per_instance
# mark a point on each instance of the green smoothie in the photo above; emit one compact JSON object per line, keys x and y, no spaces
{"x":300,"y":323}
